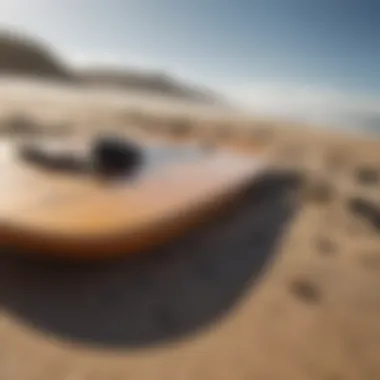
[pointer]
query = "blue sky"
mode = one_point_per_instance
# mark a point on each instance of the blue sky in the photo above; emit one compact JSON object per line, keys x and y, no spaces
{"x":313,"y":50}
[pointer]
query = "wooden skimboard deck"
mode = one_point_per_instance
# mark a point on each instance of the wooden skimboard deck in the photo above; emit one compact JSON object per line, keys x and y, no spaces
{"x":82,"y":217}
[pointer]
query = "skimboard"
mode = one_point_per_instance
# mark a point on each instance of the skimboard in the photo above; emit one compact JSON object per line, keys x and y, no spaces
{"x":80,"y":216}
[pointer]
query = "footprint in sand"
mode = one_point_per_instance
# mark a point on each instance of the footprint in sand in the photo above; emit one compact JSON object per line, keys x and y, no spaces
{"x":370,"y":260}
{"x":306,"y":291}
{"x":325,"y":246}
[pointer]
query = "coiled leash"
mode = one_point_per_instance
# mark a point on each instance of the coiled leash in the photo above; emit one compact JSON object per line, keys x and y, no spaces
{"x":108,"y":157}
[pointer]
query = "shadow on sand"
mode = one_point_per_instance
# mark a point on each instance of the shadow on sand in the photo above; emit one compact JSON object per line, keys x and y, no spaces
{"x":164,"y":296}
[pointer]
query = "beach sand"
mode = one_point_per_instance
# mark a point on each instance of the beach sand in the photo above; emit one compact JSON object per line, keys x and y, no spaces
{"x":285,"y":286}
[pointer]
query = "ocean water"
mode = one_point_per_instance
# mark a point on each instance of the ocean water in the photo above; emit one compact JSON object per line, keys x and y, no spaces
{"x":18,"y":93}
{"x":323,"y":108}
{"x":314,"y":107}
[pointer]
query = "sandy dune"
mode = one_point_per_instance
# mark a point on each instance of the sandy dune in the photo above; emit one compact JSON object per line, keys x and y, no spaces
{"x":286,"y":286}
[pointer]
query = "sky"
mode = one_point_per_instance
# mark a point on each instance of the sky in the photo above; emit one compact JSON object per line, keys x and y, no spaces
{"x":313,"y":59}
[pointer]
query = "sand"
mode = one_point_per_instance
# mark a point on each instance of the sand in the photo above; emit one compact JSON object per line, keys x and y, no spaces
{"x":285,"y":286}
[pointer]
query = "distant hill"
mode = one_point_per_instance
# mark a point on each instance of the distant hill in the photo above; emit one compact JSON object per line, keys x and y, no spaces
{"x":20,"y":55}
{"x":155,"y":82}
{"x":27,"y":57}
